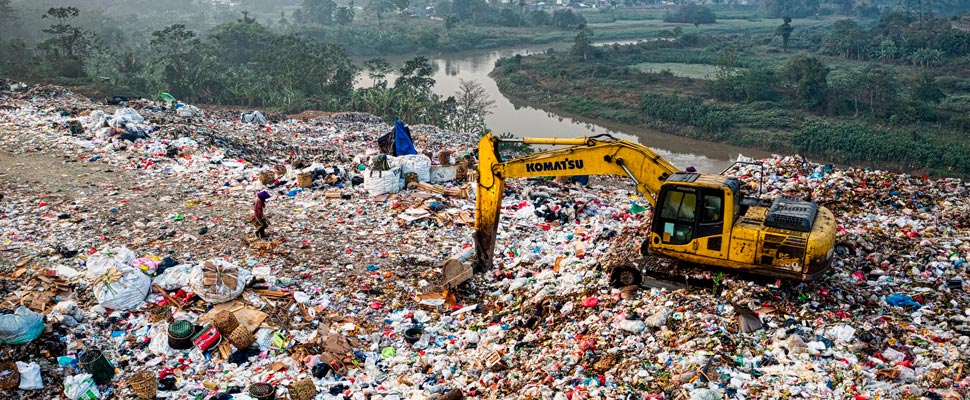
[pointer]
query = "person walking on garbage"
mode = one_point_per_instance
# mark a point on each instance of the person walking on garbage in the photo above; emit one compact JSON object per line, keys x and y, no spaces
{"x":259,"y":216}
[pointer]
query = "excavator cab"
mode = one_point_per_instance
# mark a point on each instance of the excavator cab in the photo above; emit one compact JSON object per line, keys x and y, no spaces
{"x":693,"y":213}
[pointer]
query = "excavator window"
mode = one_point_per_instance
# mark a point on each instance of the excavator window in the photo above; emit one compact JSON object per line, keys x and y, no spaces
{"x":677,"y":216}
{"x":712,"y":208}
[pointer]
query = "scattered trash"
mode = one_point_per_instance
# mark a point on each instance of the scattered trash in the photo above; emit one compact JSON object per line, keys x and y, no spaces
{"x":348,"y":297}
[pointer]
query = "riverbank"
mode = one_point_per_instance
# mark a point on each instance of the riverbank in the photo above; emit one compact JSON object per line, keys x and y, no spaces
{"x":621,"y":84}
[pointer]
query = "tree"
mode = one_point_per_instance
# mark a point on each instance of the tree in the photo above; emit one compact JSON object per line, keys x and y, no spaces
{"x":66,"y":45}
{"x":473,"y":104}
{"x":583,"y":43}
{"x":926,"y":57}
{"x":691,"y":14}
{"x":848,"y":40}
{"x":176,"y":48}
{"x":809,"y":77}
{"x":416,"y":76}
{"x":377,"y":70}
{"x":888,"y":50}
{"x":566,"y":19}
{"x":785,"y":31}
{"x":924,"y":88}
{"x":539,"y":18}
{"x":319,"y":11}
{"x":379,"y":8}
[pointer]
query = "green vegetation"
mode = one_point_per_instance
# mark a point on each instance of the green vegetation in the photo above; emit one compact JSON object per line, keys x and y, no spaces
{"x":851,"y":95}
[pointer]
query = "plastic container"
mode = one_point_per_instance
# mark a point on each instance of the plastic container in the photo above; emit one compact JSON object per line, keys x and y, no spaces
{"x":413,"y":335}
{"x":96,"y":363}
{"x":180,"y":335}
{"x":207,"y":338}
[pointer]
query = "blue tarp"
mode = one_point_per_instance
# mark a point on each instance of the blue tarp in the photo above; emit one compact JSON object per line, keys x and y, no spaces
{"x":402,"y":141}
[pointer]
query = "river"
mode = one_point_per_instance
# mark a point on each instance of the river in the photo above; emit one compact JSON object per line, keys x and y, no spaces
{"x":524,"y":120}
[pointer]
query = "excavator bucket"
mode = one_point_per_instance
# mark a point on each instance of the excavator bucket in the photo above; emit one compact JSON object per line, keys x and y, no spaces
{"x":454,"y":273}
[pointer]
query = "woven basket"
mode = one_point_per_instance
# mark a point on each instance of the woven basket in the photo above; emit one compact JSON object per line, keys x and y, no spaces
{"x":180,"y":335}
{"x":267,"y":178}
{"x":302,"y":390}
{"x":411,"y":180}
{"x":144,"y":383}
{"x":225,"y":322}
{"x":9,"y":376}
{"x":242,"y":338}
{"x":262,"y":391}
{"x":304,"y":180}
{"x":157,"y":314}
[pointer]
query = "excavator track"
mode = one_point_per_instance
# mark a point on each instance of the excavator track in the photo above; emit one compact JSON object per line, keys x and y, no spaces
{"x":629,"y":264}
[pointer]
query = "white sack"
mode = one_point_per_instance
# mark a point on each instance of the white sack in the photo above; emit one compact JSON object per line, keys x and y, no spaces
{"x":417,"y":163}
{"x":219,"y":292}
{"x":381,"y":182}
{"x":122,"y":293}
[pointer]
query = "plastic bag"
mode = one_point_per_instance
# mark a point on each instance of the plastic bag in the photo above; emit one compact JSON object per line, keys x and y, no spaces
{"x":122,"y":289}
{"x":443,"y":174}
{"x":99,"y":263}
{"x":128,"y":114}
{"x":218,"y":281}
{"x":174,"y":278}
{"x":81,"y":387}
{"x":23,"y":326}
{"x":29,"y":376}
{"x":159,"y":339}
{"x":381,"y":182}
{"x":417,"y":163}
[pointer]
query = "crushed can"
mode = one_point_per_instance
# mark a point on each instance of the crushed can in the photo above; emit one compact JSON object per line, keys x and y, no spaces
{"x":208,"y":338}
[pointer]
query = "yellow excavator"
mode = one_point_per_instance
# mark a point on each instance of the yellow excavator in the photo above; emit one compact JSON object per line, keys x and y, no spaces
{"x":699,"y":219}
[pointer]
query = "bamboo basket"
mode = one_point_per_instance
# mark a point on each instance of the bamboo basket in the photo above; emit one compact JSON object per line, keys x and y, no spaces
{"x":304,"y":180}
{"x":241,"y":337}
{"x":144,"y":384}
{"x":262,"y":391}
{"x":411,"y":180}
{"x":267,"y":178}
{"x":302,"y":390}
{"x":9,"y":376}
{"x":226,"y":322}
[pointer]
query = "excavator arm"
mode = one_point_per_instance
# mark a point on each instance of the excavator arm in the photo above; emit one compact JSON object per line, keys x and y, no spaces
{"x":586,"y":156}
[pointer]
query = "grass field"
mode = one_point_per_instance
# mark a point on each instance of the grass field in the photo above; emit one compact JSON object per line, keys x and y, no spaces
{"x":693,"y":71}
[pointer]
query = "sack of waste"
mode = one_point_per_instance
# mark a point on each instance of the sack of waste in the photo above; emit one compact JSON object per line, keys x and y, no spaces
{"x":417,"y":163}
{"x":121,"y":288}
{"x":99,"y":263}
{"x":380,"y":182}
{"x":23,"y":326}
{"x":217,"y":281}
{"x":29,"y":376}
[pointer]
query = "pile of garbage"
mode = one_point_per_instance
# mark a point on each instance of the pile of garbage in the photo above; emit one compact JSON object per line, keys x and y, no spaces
{"x":128,"y":269}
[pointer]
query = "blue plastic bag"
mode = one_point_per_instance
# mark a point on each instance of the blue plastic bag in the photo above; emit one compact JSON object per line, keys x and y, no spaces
{"x":901,"y":300}
{"x":23,"y":326}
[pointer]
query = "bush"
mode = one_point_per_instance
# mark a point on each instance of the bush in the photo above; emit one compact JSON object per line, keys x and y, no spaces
{"x":685,"y":110}
{"x":691,"y":14}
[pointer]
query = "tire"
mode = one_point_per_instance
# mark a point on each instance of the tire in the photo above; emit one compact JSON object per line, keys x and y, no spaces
{"x":625,"y":276}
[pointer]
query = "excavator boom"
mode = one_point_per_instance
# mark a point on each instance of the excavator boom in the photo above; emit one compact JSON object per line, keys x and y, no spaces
{"x":587,"y":156}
